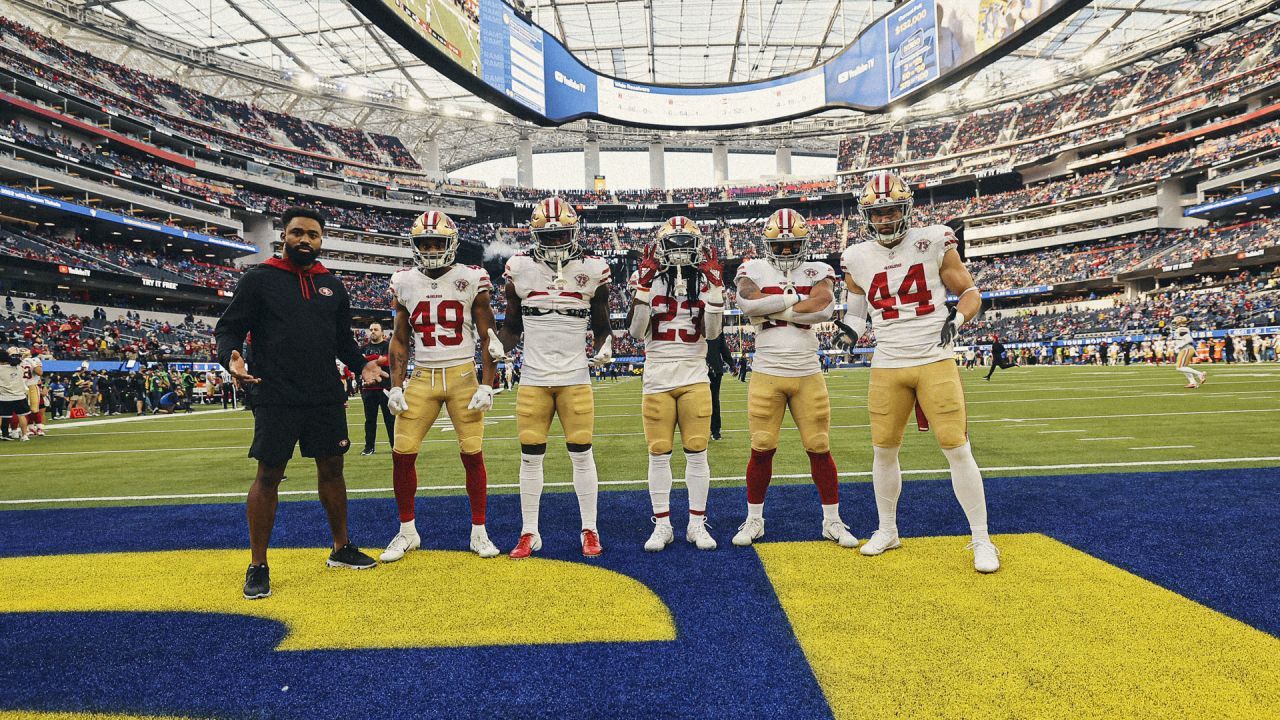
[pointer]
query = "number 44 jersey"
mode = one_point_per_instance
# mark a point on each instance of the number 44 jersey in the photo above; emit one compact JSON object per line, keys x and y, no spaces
{"x":440,"y":321}
{"x":905,"y":294}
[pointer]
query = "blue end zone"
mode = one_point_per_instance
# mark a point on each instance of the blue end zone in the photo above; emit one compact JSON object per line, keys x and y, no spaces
{"x":1209,"y":535}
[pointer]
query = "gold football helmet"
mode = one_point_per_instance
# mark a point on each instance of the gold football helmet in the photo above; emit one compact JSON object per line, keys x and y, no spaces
{"x":434,"y":240}
{"x":679,"y":243}
{"x":554,"y":225}
{"x":1182,"y":321}
{"x":886,"y":191}
{"x":786,"y":239}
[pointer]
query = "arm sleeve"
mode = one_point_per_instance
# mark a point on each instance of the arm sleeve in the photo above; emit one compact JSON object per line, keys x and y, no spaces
{"x":813,"y":318}
{"x":712,"y":324}
{"x":640,"y":316}
{"x":767,"y":305}
{"x":856,"y":313}
{"x":237,"y":320}
{"x":348,"y":352}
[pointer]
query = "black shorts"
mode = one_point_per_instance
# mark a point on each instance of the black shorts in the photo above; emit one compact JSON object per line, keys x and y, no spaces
{"x":14,"y":407}
{"x":318,"y":431}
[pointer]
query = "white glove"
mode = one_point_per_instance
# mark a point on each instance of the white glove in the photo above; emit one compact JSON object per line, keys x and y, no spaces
{"x":496,"y":351}
{"x":482,"y":399}
{"x":395,"y":401}
{"x":604,"y":357}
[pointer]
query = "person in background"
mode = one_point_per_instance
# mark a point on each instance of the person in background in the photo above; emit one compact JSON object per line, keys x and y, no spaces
{"x":374,"y":396}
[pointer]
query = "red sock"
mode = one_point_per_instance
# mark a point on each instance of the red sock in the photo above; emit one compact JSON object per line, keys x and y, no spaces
{"x":759,"y":473}
{"x":404,"y":479}
{"x":477,"y":485}
{"x":40,"y":417}
{"x":823,"y":469}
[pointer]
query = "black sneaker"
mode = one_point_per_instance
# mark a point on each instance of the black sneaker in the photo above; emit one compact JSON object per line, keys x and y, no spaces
{"x":257,"y":582}
{"x":366,"y":452}
{"x":349,"y":556}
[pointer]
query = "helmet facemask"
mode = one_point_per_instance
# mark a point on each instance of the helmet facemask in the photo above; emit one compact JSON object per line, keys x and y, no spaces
{"x":786,"y":253}
{"x":679,"y":249}
{"x":887,"y":233}
{"x":555,"y":243}
{"x":434,"y":251}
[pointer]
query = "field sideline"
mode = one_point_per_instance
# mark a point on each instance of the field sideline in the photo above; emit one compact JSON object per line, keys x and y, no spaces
{"x":1026,"y":421}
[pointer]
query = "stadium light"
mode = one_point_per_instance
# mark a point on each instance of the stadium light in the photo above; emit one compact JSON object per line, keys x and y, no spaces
{"x":489,"y":116}
{"x":305,"y":80}
{"x":353,"y":90}
{"x":1094,"y":57}
{"x":415,"y":103}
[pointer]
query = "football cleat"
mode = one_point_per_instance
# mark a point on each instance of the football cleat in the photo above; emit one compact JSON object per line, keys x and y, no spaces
{"x":839,"y":532}
{"x":481,"y":544}
{"x":1191,"y":386}
{"x":880,"y":541}
{"x":662,"y":536}
{"x":591,"y":543}
{"x":751,"y":529}
{"x":1203,"y":377}
{"x":527,"y":545}
{"x":399,"y":545}
{"x":698,"y":535}
{"x":986,"y":558}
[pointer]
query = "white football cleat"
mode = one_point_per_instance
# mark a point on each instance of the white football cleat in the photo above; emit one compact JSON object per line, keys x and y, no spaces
{"x":751,"y":529}
{"x":662,"y":536}
{"x":986,"y":558}
{"x":838,"y":531}
{"x":399,"y":545}
{"x":481,"y":544}
{"x":880,"y":541}
{"x":698,"y":535}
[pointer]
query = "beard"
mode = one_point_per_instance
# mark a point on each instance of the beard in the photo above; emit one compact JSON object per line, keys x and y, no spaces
{"x":300,"y":255}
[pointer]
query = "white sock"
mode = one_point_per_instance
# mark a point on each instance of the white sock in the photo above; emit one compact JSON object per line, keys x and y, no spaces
{"x":409,"y":528}
{"x":697,"y":478}
{"x":831,"y":513}
{"x":886,"y":481}
{"x":660,"y":484}
{"x":1191,"y":374}
{"x":530,"y":491}
{"x":586,"y":485}
{"x":966,"y":482}
{"x":755,"y":510}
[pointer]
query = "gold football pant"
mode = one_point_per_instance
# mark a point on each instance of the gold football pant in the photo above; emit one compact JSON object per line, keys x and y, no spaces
{"x":769,"y":397}
{"x":427,"y":391}
{"x":689,"y":407}
{"x":33,"y":398}
{"x":574,"y":404}
{"x":1185,"y":356}
{"x":893,"y":393}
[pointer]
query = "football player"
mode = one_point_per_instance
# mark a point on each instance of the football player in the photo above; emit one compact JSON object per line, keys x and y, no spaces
{"x":32,"y":370}
{"x":677,"y":305}
{"x":784,"y":297}
{"x":554,"y":294}
{"x":1185,"y":346}
{"x":904,"y":274}
{"x":441,"y":309}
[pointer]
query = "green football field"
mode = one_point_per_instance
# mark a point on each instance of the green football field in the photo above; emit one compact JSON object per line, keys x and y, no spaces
{"x":1026,"y":421}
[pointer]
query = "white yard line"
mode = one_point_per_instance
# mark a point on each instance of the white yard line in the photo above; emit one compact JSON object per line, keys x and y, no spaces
{"x":1047,"y":432}
{"x":1124,"y":437}
{"x":727,"y":478}
{"x":1163,"y":447}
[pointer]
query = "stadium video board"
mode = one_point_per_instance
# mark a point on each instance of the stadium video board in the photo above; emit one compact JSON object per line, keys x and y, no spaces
{"x":502,"y":56}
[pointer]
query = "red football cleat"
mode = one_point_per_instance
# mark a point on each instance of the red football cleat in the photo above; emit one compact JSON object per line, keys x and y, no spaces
{"x":1190,"y":386}
{"x":591,"y":543}
{"x":526,"y":547}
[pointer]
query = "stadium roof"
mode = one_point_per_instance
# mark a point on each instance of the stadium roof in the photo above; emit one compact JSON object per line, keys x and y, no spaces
{"x":321,"y":59}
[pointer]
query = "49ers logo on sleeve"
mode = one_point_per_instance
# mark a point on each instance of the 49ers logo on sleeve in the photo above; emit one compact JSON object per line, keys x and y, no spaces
{"x":326,"y":291}
{"x":922,"y":244}
{"x":582,"y":279}
{"x":461,"y":284}
{"x":810,"y":273}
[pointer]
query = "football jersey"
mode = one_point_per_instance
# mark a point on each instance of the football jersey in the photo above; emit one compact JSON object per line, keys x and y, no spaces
{"x":444,"y":332}
{"x":674,"y":347}
{"x":1182,"y":338}
{"x":29,"y":367}
{"x":782,"y":348}
{"x":555,"y":347}
{"x":905,"y":294}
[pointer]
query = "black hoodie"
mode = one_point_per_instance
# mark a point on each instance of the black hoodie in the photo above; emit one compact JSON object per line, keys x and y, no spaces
{"x":298,"y":321}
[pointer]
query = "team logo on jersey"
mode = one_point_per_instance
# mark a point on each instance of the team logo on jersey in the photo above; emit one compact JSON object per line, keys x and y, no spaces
{"x":581,"y":279}
{"x":461,"y":285}
{"x":810,"y":273}
{"x":326,"y":292}
{"x":922,"y":244}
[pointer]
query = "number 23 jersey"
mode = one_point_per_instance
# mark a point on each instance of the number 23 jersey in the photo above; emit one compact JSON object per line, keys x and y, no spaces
{"x":905,"y":294}
{"x":440,"y":321}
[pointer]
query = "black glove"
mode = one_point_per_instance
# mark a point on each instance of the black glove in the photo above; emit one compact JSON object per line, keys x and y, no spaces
{"x":950,"y":329}
{"x":846,"y":337}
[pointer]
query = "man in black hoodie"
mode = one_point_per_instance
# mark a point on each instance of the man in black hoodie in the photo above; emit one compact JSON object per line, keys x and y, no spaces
{"x":300,"y":319}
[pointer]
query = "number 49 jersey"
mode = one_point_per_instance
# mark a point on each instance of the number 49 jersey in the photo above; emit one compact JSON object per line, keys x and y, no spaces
{"x":905,"y":293}
{"x":440,"y":321}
